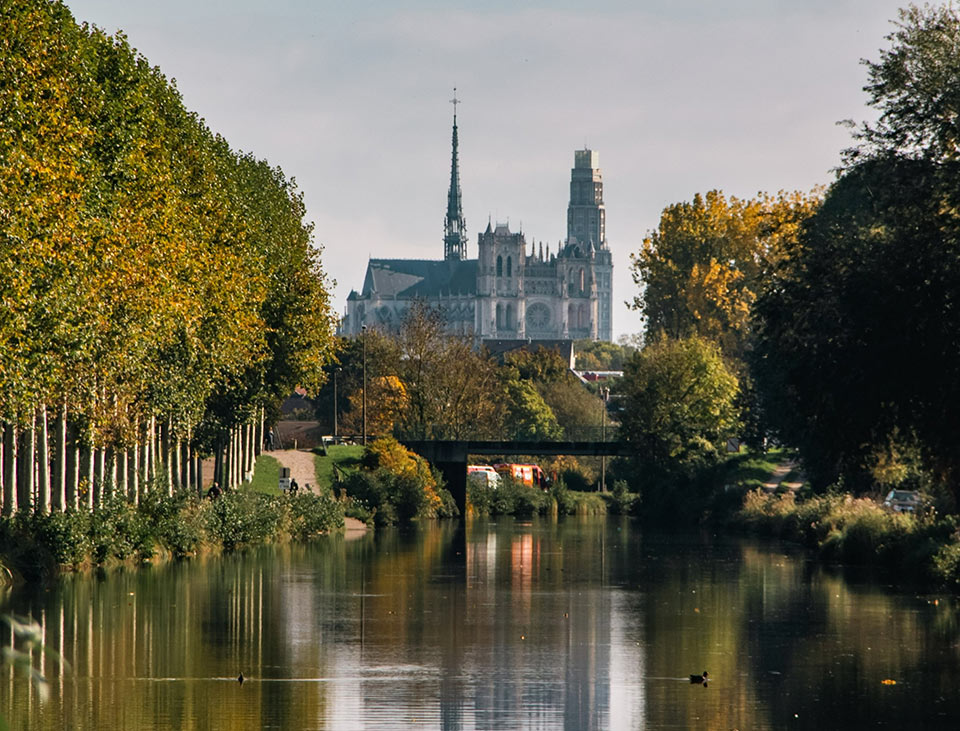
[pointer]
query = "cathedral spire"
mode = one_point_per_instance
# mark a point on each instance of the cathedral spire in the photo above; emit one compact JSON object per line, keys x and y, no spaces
{"x":455,"y":227}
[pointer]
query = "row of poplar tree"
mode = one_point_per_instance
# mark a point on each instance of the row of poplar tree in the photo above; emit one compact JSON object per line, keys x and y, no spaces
{"x":159,"y":291}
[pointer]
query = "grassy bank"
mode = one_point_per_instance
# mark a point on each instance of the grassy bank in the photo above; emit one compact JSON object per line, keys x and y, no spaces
{"x":514,"y":498}
{"x":266,"y":475}
{"x":38,"y":545}
{"x":841,"y":528}
{"x":339,"y":459}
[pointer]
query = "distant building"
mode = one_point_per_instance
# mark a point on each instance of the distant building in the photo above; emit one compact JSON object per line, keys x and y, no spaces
{"x":512,"y":291}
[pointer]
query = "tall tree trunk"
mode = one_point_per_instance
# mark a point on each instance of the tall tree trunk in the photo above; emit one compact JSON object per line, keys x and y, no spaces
{"x":89,"y":473}
{"x":175,"y":462}
{"x":10,"y":442}
{"x":218,"y":464}
{"x":231,"y":462}
{"x":164,"y":471}
{"x":168,"y":450}
{"x":251,"y":449}
{"x":100,"y":465}
{"x":191,"y":466}
{"x":184,"y":459}
{"x":123,"y":473}
{"x":27,"y":464}
{"x":237,"y":456}
{"x":233,"y":457}
{"x":58,"y":490}
{"x":150,"y":454}
{"x":110,"y":472}
{"x":73,"y":472}
{"x":244,"y":452}
{"x":135,"y":467}
{"x":198,"y":474}
{"x":228,"y":460}
{"x":43,"y":462}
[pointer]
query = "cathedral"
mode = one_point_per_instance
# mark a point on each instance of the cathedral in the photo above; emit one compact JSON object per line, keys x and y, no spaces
{"x":512,"y":291}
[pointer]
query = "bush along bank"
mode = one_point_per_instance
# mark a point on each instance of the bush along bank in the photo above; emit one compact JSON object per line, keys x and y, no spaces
{"x":511,"y":497}
{"x":924,"y":546}
{"x":37,"y":545}
{"x":394,"y":485}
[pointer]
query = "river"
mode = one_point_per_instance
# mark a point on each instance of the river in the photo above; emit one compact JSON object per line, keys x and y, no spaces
{"x":585,"y":623}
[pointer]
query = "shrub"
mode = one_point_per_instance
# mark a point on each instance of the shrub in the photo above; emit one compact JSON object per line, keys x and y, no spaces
{"x":397,"y":485}
{"x":858,"y":530}
{"x":514,"y":498}
{"x":566,"y":505}
{"x":182,"y":529}
{"x":622,"y":501}
{"x":242,"y":517}
{"x":312,"y":515}
{"x":479,"y":497}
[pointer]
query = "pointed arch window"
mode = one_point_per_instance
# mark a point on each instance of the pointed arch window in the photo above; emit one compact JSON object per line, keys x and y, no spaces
{"x":509,"y":266}
{"x":509,"y":322}
{"x":499,"y":266}
{"x":582,"y":288}
{"x":499,"y":317}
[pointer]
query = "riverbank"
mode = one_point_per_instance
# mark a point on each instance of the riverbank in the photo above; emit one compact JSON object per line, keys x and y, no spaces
{"x":923,"y":547}
{"x":38,"y":546}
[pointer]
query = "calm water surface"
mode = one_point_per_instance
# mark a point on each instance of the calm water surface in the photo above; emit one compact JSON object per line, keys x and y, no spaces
{"x":581,"y":624}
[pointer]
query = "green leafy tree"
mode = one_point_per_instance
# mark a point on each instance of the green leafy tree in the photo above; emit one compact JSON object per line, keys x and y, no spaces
{"x":453,"y":390}
{"x":915,"y":85}
{"x":857,"y":339}
{"x":599,"y":355}
{"x":678,"y":405}
{"x":857,"y":342}
{"x":528,"y":417}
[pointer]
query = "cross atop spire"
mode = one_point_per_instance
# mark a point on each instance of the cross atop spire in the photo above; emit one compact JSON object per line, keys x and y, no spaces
{"x":455,"y":101}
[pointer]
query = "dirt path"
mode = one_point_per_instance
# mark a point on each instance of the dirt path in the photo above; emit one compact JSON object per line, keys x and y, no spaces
{"x":302,"y":470}
{"x":776,"y":477}
{"x":300,"y":465}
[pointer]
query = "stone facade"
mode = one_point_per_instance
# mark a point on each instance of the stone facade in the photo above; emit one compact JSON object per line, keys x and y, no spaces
{"x":512,"y":290}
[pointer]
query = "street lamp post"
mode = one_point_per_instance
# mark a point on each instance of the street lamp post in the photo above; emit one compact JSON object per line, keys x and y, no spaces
{"x":604,"y":396}
{"x":363,"y":334}
{"x":335,"y":431}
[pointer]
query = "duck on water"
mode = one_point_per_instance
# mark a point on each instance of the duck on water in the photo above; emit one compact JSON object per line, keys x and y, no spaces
{"x":699,"y":679}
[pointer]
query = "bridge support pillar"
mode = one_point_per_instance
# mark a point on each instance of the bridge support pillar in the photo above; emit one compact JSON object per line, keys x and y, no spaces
{"x":455,"y":474}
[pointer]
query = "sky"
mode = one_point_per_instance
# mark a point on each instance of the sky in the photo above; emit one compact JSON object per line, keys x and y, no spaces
{"x":351,"y":98}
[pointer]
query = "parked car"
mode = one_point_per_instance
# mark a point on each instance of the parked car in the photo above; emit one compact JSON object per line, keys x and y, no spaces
{"x":902,"y":501}
{"x":528,"y":474}
{"x":482,"y":474}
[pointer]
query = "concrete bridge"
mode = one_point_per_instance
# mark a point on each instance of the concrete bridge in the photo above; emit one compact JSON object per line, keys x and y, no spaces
{"x":451,"y":456}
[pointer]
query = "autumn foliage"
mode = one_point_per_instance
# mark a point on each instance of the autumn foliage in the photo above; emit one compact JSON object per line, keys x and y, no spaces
{"x":158,"y":289}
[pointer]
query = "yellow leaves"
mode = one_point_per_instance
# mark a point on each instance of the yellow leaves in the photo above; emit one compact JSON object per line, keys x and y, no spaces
{"x":704,"y":266}
{"x":140,"y":248}
{"x":387,"y":400}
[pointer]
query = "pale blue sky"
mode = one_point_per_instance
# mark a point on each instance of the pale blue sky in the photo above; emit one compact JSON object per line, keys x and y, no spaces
{"x":351,"y":99}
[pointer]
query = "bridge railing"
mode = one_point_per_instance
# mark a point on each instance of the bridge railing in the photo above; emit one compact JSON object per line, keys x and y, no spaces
{"x":574,"y":434}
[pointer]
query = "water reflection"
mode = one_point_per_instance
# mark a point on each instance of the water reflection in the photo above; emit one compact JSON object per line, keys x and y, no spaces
{"x":579,"y":624}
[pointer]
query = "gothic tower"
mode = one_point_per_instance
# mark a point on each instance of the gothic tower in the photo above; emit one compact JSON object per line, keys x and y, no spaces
{"x":454,"y":227}
{"x":587,"y":229}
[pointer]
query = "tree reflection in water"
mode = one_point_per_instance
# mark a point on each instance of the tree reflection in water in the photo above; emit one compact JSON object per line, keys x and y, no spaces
{"x":583,"y":623}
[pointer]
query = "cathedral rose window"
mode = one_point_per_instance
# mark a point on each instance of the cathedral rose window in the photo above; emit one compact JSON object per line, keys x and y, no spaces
{"x":538,"y":316}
